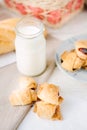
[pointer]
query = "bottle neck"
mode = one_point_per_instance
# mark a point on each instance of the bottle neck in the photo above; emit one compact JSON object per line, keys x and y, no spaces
{"x":29,"y":27}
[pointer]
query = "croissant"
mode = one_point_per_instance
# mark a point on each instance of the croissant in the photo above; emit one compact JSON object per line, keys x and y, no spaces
{"x":27,"y":82}
{"x":23,"y":97}
{"x":49,"y":102}
{"x":26,"y":94}
{"x":7,"y":35}
{"x":70,"y":61}
{"x":49,"y":93}
{"x":48,"y":111}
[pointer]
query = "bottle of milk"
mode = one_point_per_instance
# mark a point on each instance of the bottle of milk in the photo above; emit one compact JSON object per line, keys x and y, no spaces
{"x":30,"y":46}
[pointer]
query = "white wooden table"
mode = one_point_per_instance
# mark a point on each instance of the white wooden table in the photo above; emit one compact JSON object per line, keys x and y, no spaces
{"x":74,"y":107}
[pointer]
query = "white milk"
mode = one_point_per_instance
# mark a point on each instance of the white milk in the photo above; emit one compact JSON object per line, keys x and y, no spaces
{"x":30,"y":51}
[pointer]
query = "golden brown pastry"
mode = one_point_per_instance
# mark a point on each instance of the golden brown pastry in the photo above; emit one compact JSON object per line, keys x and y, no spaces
{"x":81,"y":49}
{"x":6,"y":46}
{"x":49,"y":102}
{"x":84,"y":66}
{"x":78,"y":63}
{"x":9,"y":23}
{"x":57,"y":115}
{"x":7,"y":35}
{"x":23,"y":97}
{"x":26,"y":94}
{"x":29,"y":82}
{"x":70,"y":61}
{"x":48,"y":111}
{"x":64,"y":55}
{"x":49,"y":93}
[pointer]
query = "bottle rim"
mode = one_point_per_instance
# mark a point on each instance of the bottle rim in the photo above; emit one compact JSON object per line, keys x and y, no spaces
{"x":32,"y":20}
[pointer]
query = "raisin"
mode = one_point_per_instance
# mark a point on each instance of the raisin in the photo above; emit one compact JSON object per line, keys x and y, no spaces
{"x":61,"y":61}
{"x":74,"y":69}
{"x":33,"y":88}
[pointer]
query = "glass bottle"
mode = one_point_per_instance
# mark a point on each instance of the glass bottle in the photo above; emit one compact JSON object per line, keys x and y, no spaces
{"x":30,"y":45}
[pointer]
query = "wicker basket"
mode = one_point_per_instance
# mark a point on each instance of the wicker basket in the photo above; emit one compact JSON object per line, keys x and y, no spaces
{"x":53,"y":13}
